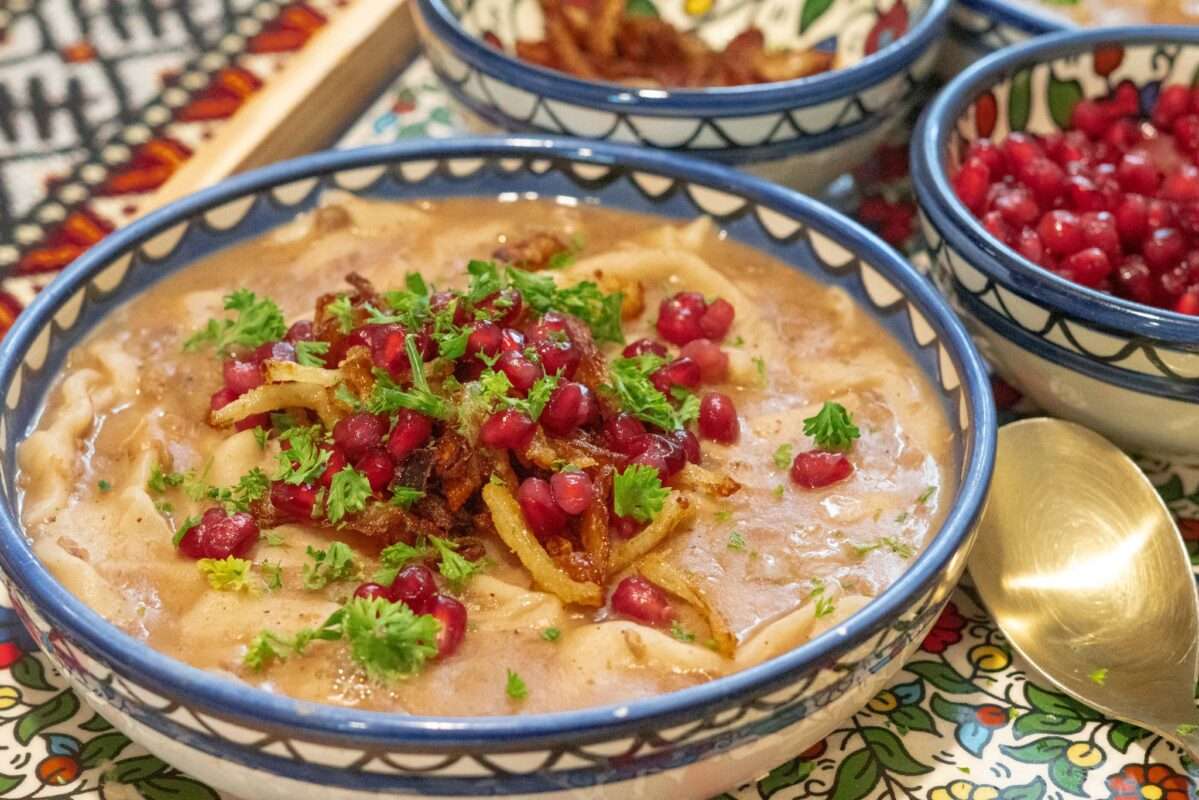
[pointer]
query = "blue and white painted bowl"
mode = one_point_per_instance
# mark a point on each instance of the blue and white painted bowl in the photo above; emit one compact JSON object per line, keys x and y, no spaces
{"x":802,"y":133}
{"x":1129,"y":371}
{"x":978,"y":28}
{"x":689,"y":744}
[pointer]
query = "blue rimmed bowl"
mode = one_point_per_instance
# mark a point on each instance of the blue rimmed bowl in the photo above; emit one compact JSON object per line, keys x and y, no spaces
{"x":1126,"y":370}
{"x":692,"y":743}
{"x":802,"y":133}
{"x":978,"y":28}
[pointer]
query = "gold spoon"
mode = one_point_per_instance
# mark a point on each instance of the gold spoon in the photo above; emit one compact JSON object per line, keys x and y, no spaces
{"x":1081,"y":565}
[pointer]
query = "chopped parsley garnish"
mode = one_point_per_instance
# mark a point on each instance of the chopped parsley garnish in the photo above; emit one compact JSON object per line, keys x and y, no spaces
{"x":395,"y":557}
{"x":282,"y":421}
{"x":1186,"y":729}
{"x":160,"y":481}
{"x":1098,"y":676}
{"x":229,"y":574}
{"x":272,"y":575}
{"x":760,"y":364}
{"x":183,"y":528}
{"x":273,"y":539}
{"x":584,"y":300}
{"x":779,"y":491}
{"x":163,"y":507}
{"x":688,"y":410}
{"x":636,"y":393}
{"x":831,"y":428}
{"x":103,"y":485}
{"x":782,"y":456}
{"x":901,"y":549}
{"x":258,"y":321}
{"x":341,"y":310}
{"x":348,"y":492}
{"x":386,"y":639}
{"x":539,"y":395}
{"x":329,"y":566}
{"x":250,"y":487}
{"x":824,"y":607}
{"x":305,"y":460}
{"x":737,"y":541}
{"x":453,"y":567}
{"x":309,"y":354}
{"x":723,"y":516}
{"x":347,"y":398}
{"x":405,"y":496}
{"x":681,"y":633}
{"x":261,"y":434}
{"x":516,"y":688}
{"x":484,"y":280}
{"x":551,"y":634}
{"x":388,"y":396}
{"x":638,"y":493}
{"x":926,"y":495}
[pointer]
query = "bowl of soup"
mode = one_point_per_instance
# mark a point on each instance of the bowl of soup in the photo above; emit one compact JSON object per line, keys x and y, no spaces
{"x":541,"y":465}
{"x":800,"y":93}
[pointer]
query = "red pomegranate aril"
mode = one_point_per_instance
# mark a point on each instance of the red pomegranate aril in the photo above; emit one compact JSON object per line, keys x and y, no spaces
{"x":816,"y":469}
{"x":678,"y":319}
{"x":1132,"y":219}
{"x":1122,"y":134}
{"x":1188,"y":303}
{"x":1126,"y":100}
{"x":242,"y":376}
{"x":682,"y":371}
{"x":569,"y":407}
{"x":572,"y":491}
{"x":623,"y":433}
{"x":253,"y":421}
{"x":551,"y":327}
{"x":1017,"y":207}
{"x":1060,"y":232}
{"x":1186,"y":133}
{"x":1099,"y":230}
{"x":717,"y":319}
{"x":624,"y":527}
{"x":221,"y":398}
{"x":718,"y":419}
{"x":1163,"y":249}
{"x":452,"y":616}
{"x":1045,"y":179}
{"x":1028,"y":244}
{"x":510,"y":428}
{"x":274,"y":351}
{"x":302,"y":331}
{"x":522,"y":373}
{"x":336,"y":463}
{"x":690,"y":444}
{"x":505,"y":306}
{"x":512,"y":341}
{"x":1134,"y":280}
{"x":1090,"y":266}
{"x":642,"y":601}
{"x":1083,"y":195}
{"x":487,"y":338}
{"x":220,"y":535}
{"x":1183,"y":185}
{"x":536,"y":500}
{"x":293,"y":502}
{"x":416,"y":587}
{"x":1091,"y":118}
{"x":997,"y":226}
{"x":660,"y":452}
{"x":1137,"y":173}
{"x":985,"y":151}
{"x":359,"y":432}
{"x":970,"y":184}
{"x":378,"y":469}
{"x":642,"y":346}
{"x":412,"y":429}
{"x":713,"y":362}
{"x":1020,"y":150}
{"x":372,"y":591}
{"x":559,"y":358}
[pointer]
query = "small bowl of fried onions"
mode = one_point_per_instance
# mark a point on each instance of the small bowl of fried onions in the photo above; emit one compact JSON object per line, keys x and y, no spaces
{"x":797,"y":92}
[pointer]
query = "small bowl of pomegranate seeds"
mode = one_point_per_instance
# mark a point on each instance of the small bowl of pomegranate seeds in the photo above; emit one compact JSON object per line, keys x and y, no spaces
{"x":456,"y":463}
{"x":800,"y":93}
{"x":1059,"y":189}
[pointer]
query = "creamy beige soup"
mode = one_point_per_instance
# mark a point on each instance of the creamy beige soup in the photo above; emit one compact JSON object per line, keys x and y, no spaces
{"x":1121,"y":12}
{"x":719,"y":565}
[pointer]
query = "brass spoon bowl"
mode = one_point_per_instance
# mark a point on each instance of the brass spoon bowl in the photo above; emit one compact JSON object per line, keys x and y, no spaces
{"x":1081,"y":565}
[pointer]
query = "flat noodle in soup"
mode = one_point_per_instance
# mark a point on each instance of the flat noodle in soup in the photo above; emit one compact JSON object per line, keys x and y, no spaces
{"x":468,"y":457}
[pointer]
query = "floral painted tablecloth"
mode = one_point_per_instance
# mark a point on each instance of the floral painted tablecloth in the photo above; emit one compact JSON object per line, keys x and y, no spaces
{"x":962,"y":721}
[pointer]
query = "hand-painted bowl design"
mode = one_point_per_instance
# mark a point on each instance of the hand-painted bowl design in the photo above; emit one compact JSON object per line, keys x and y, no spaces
{"x":802,"y":133}
{"x":692,"y":743}
{"x":978,"y":28}
{"x":1129,"y":371}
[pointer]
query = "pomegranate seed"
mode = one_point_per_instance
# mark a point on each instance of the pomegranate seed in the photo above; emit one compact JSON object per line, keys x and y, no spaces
{"x":487,"y":338}
{"x":997,"y":226}
{"x":623,"y":433}
{"x":1161,"y":214}
{"x":293,"y":502}
{"x":522,"y":373}
{"x":1028,"y":244}
{"x":985,"y":151}
{"x":679,"y":320}
{"x":1045,"y":179}
{"x":411,"y":431}
{"x":717,"y":319}
{"x":660,"y":452}
{"x":513,"y":341}
{"x":1083,"y":195}
{"x":551,"y":327}
{"x":816,"y":469}
{"x":1163,"y":249}
{"x":510,"y":429}
{"x":1126,"y":102}
{"x":1090,"y":117}
{"x":1134,"y":280}
{"x":1180,"y":186}
{"x":1173,"y":102}
{"x":504,"y":306}
{"x":1132,"y":219}
{"x":242,"y":376}
{"x":1188,"y":304}
{"x":1017,"y":207}
{"x":1186,"y":133}
{"x":359,"y":432}
{"x":1136,"y":173}
{"x":1099,"y":230}
{"x":1061,"y":232}
{"x":572,"y":491}
{"x":559,"y":358}
{"x":414,"y":586}
{"x":371,"y":591}
{"x":301,"y":331}
{"x":222,"y":397}
{"x":680,"y":372}
{"x":718,"y":418}
{"x":536,"y":500}
{"x":274,"y":351}
{"x":1122,"y":135}
{"x":644,"y":346}
{"x":712,"y":361}
{"x":624,"y":527}
{"x":253,"y":421}
{"x":569,"y":407}
{"x":686,"y":440}
{"x":336,"y":463}
{"x":452,"y":616}
{"x":378,"y":469}
{"x":970,"y":184}
{"x":220,"y":535}
{"x":1090,"y":266}
{"x":642,"y":601}
{"x":1020,"y":150}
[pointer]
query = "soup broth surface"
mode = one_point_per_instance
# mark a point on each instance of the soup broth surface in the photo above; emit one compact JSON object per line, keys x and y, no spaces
{"x":1122,"y":12}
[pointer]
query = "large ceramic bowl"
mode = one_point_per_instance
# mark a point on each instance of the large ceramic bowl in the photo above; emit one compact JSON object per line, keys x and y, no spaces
{"x":801,"y":133}
{"x":1129,"y":371}
{"x":689,"y":744}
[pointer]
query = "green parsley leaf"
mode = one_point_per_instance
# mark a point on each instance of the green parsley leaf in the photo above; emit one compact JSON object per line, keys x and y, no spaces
{"x":539,"y":394}
{"x":183,"y":528}
{"x":453,"y":567}
{"x":348,"y":492}
{"x":551,"y":634}
{"x":405,"y":496}
{"x":516,"y":688}
{"x":637,"y":395}
{"x":926,"y":495}
{"x":388,"y":396}
{"x":760,"y":364}
{"x":688,"y":410}
{"x":160,"y":481}
{"x":782,"y":456}
{"x":163,"y":507}
{"x":1098,"y":676}
{"x":250,"y":487}
{"x":266,"y":648}
{"x":229,"y":574}
{"x":395,"y":557}
{"x":305,"y":460}
{"x":824,"y":607}
{"x":272,"y":575}
{"x":273,"y":539}
{"x":261,"y":434}
{"x":329,"y":566}
{"x":723,"y":516}
{"x":387,"y":639}
{"x":584,"y":300}
{"x":736,"y":541}
{"x":681,"y":633}
{"x":344,"y":395}
{"x":282,"y":421}
{"x":103,"y":485}
{"x":779,"y":491}
{"x":1186,"y":729}
{"x":342,"y":311}
{"x":832,"y":428}
{"x":309,"y":354}
{"x":484,"y":280}
{"x":638,"y":492}
{"x":899,"y":548}
{"x":257,"y":322}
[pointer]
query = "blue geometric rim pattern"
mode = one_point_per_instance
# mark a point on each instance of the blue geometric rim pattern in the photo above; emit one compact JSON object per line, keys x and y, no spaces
{"x":1091,"y":331}
{"x":989,"y":25}
{"x":740,"y":124}
{"x":337,"y":746}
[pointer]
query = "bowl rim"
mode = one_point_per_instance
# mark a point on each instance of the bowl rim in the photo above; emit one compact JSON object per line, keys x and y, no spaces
{"x":720,"y":101}
{"x":966,"y":234}
{"x":232,"y":699}
{"x":1029,"y":20}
